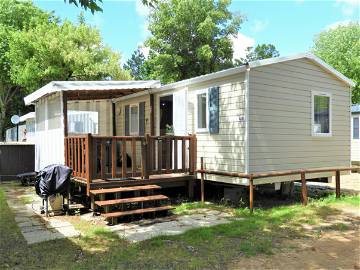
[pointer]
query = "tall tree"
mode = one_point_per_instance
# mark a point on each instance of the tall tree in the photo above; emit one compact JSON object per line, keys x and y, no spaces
{"x":61,"y":52}
{"x":137,"y":65}
{"x":14,"y":17}
{"x":36,"y":48}
{"x":260,"y":52}
{"x":340,"y":48}
{"x":190,"y":38}
{"x":94,"y":5}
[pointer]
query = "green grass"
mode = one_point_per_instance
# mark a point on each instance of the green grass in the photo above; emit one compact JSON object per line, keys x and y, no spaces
{"x":202,"y":248}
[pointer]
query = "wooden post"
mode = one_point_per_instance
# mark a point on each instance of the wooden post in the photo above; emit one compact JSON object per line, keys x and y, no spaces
{"x":88,"y":161}
{"x":337,"y":184}
{"x":251,"y":194}
{"x":202,"y":181}
{"x":303,"y":189}
{"x":113,"y":118}
{"x":192,"y":154}
{"x":133,"y":156}
{"x":143,"y":158}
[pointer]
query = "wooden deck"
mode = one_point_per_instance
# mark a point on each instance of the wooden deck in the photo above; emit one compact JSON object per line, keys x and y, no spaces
{"x":118,"y":161}
{"x":163,"y":180}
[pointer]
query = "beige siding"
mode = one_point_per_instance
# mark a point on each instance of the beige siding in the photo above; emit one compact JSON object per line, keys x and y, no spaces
{"x":104,"y":109}
{"x":224,"y":151}
{"x":355,"y":143}
{"x":280,"y":118}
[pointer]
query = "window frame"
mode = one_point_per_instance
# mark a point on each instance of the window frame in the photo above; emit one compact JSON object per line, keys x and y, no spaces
{"x":201,"y":130}
{"x":353,"y":128}
{"x":318,"y":93}
{"x":135,"y":133}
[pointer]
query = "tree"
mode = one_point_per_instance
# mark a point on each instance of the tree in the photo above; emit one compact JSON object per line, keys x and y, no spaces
{"x":137,"y":66}
{"x":94,"y":6}
{"x":340,"y":48}
{"x":190,"y":38}
{"x":35,"y":48}
{"x":14,"y":16}
{"x":260,"y":52}
{"x":61,"y":52}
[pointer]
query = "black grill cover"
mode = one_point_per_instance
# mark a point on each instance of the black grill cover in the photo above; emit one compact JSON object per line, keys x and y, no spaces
{"x":53,"y":179}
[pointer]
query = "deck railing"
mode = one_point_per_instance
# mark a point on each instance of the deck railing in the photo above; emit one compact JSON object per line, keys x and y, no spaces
{"x":253,"y":176}
{"x":106,"y":157}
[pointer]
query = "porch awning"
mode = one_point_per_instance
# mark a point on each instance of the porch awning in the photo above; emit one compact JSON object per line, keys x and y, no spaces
{"x":89,"y":90}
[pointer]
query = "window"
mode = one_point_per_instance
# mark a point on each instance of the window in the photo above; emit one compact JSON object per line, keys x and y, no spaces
{"x":202,"y":111}
{"x":321,"y":114}
{"x":134,"y":120}
{"x":356,"y":128}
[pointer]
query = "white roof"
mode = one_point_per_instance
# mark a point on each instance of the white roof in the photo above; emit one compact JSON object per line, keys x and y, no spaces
{"x":258,"y":63}
{"x":57,"y":86}
{"x":27,"y":116}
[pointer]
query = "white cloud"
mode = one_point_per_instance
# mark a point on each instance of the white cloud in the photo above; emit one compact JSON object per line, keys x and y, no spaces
{"x":143,"y":11}
{"x":336,"y":24}
{"x":259,"y":26}
{"x":240,"y":44}
{"x":348,"y":6}
{"x":145,"y":50}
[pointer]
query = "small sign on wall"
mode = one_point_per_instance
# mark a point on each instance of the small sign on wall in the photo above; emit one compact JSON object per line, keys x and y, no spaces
{"x":242,"y":118}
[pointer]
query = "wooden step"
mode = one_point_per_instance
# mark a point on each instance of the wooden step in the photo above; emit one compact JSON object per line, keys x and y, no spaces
{"x":123,"y":189}
{"x":137,"y":211}
{"x":132,"y":200}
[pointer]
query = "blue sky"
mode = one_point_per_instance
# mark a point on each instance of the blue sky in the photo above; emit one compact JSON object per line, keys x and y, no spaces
{"x":289,"y":25}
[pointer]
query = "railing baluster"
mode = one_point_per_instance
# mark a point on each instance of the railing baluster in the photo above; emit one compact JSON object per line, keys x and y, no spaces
{"x":123,"y":158}
{"x":103,"y":159}
{"x":78,"y":156}
{"x":175,"y":155}
{"x":160,"y":155}
{"x":113,"y":158}
{"x":84,"y":157}
{"x":168,"y":154}
{"x":133,"y":156}
{"x":183,"y":154}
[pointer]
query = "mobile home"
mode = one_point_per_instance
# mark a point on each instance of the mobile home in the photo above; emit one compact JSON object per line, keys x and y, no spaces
{"x":269,"y":115}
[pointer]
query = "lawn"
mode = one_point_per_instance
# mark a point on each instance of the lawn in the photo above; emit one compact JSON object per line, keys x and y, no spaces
{"x":262,"y":232}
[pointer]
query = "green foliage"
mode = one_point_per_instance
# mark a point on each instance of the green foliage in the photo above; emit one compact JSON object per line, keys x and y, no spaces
{"x":94,"y":6}
{"x":190,"y":38}
{"x":61,"y":52}
{"x":35,"y":48}
{"x":340,"y":48}
{"x":260,"y":52}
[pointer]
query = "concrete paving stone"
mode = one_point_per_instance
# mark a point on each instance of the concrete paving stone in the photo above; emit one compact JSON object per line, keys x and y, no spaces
{"x":53,"y":223}
{"x":40,"y":236}
{"x":22,"y":219}
{"x":68,"y":231}
{"x":32,"y":228}
{"x":25,"y":224}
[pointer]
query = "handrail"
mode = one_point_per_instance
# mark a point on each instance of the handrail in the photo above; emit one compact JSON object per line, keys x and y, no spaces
{"x":279,"y":173}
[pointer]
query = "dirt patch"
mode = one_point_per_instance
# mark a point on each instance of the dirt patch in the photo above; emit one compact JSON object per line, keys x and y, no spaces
{"x":334,"y":244}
